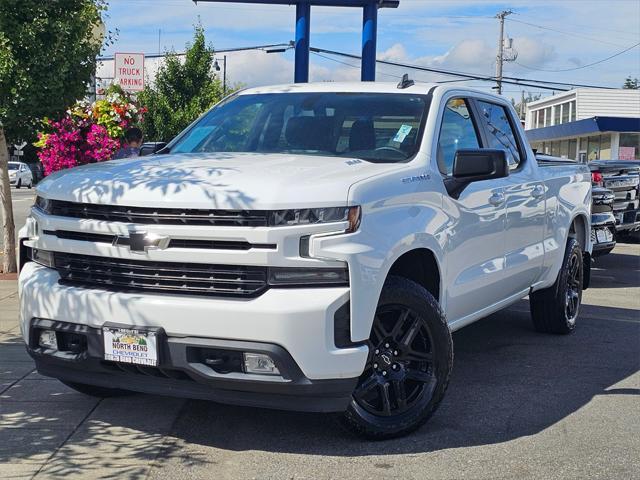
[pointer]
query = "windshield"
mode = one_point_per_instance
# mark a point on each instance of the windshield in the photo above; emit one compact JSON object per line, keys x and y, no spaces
{"x":13,"y":166}
{"x":377,"y":127}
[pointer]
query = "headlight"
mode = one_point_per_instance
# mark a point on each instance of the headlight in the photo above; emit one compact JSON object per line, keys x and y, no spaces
{"x":42,"y":257}
{"x":312,"y":216}
{"x":43,"y":204}
{"x":289,"y":277}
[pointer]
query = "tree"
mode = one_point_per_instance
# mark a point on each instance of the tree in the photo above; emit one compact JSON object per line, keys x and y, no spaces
{"x":631,"y":83}
{"x":520,"y":106}
{"x":182,"y":90}
{"x":47,"y":57}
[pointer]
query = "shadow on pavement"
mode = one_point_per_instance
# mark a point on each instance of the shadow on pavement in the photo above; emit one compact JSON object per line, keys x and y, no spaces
{"x":508,"y":382}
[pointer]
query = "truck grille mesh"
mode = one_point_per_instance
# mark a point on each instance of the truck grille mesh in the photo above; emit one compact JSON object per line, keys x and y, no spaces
{"x":167,"y":277}
{"x":160,"y":216}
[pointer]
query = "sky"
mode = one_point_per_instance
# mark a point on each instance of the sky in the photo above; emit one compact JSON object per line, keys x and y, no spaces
{"x":548,"y":36}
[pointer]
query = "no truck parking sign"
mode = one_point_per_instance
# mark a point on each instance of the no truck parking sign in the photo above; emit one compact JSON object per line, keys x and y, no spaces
{"x":129,"y":71}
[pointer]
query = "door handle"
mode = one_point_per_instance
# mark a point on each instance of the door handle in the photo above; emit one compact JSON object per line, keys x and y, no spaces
{"x":538,"y":191}
{"x":496,"y":199}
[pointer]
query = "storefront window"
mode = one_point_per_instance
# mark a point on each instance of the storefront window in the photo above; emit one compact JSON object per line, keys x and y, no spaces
{"x":547,"y":116}
{"x":564,"y":148}
{"x":573,"y":149}
{"x":573,"y":111}
{"x":565,"y":112}
{"x":555,"y":148}
{"x":605,"y":147}
{"x":593,"y":148}
{"x":556,"y":114}
{"x":629,"y":148}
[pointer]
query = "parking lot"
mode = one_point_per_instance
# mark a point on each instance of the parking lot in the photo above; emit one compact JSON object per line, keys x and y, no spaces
{"x":520,"y":405}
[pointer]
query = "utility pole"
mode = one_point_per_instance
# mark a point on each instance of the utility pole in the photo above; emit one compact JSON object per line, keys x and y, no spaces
{"x":522,"y":106}
{"x":500,"y":56}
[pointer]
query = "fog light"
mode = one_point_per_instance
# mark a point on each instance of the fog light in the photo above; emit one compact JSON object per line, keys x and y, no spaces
{"x":260,"y":363}
{"x":48,"y":339}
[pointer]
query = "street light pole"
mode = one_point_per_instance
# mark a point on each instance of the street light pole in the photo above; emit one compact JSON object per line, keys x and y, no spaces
{"x":224,"y":76}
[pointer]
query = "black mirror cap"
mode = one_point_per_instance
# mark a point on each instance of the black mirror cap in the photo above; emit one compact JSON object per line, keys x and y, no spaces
{"x":474,"y":165}
{"x":480,"y":164}
{"x":148,"y":148}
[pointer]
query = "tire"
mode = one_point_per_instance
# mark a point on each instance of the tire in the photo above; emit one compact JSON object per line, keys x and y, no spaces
{"x":555,"y":309}
{"x":397,"y":394}
{"x":96,"y":391}
{"x":18,"y":184}
{"x":30,"y":186}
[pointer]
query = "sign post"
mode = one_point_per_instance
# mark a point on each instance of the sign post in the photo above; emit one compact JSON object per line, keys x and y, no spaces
{"x":129,"y":71}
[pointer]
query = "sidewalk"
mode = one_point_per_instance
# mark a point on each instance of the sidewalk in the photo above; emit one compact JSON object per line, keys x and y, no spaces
{"x":50,"y":431}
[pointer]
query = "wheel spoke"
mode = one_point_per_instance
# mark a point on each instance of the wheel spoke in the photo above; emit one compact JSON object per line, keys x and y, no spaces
{"x":378,"y":330}
{"x":413,"y":355}
{"x":400,"y":393}
{"x":366,"y":386}
{"x":399,"y":326}
{"x":410,"y":334}
{"x":385,"y":398}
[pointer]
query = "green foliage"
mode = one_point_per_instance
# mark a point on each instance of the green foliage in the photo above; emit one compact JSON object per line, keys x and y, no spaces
{"x":631,"y":83}
{"x":182,"y":91}
{"x":47,"y":57}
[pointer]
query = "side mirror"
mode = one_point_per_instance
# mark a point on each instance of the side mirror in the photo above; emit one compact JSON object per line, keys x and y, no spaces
{"x":151,"y":147}
{"x":474,"y":165}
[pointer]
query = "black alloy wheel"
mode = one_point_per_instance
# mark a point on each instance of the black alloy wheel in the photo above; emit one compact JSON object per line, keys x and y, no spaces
{"x":408,"y":366}
{"x":399,"y":373}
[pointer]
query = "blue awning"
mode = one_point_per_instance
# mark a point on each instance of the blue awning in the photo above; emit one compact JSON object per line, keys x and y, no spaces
{"x":587,"y":126}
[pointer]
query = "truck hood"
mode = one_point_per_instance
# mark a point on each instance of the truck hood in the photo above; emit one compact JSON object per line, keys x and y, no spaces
{"x":214,"y":181}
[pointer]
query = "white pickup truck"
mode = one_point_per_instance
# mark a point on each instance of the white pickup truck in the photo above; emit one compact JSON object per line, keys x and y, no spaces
{"x":306,"y":247}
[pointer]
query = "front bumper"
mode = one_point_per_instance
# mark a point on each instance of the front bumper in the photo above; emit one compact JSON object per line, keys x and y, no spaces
{"x":627,"y":220}
{"x":181,"y":374}
{"x":602,"y":225}
{"x":299,"y":322}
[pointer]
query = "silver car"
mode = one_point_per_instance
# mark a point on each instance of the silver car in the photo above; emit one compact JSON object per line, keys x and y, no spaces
{"x":20,"y":175}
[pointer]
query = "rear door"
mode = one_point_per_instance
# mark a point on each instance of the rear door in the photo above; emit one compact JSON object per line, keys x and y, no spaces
{"x":524,"y":199}
{"x":475,"y":241}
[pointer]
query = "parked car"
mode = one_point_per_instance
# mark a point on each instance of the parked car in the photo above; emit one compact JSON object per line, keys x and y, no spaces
{"x":623,"y":178}
{"x":603,"y":223}
{"x":148,"y":148}
{"x":20,"y":175}
{"x":306,"y":247}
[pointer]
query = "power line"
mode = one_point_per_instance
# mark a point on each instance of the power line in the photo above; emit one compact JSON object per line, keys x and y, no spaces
{"x":583,"y":66}
{"x":222,"y":50}
{"x":528,"y":82}
{"x":571,"y":34}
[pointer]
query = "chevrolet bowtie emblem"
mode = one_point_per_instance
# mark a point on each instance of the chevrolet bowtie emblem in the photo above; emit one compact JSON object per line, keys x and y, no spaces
{"x":140,"y":242}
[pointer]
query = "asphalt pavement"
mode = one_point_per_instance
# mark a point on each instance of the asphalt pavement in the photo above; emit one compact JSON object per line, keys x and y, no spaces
{"x":521,"y":405}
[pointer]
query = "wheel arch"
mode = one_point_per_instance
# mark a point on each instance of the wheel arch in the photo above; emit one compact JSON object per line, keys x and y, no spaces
{"x":421,"y":266}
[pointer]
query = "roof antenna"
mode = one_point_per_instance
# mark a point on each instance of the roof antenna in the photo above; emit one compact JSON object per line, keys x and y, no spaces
{"x":405,"y":82}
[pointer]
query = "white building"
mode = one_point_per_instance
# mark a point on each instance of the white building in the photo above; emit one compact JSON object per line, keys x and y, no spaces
{"x":586,"y":124}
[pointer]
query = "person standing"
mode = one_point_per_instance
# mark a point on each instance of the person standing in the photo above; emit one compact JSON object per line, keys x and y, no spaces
{"x":133,"y":142}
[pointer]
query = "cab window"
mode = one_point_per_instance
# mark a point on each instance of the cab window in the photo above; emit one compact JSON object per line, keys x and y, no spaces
{"x":500,"y":134}
{"x":456,"y":132}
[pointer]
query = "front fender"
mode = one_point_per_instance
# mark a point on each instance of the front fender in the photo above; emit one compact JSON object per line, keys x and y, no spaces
{"x":385,"y":235}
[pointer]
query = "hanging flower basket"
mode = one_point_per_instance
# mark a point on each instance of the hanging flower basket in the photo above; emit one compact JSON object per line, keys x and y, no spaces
{"x":88,"y":132}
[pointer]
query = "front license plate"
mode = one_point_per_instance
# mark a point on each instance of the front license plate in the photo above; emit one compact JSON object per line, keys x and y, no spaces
{"x":604,"y":236}
{"x":130,"y":345}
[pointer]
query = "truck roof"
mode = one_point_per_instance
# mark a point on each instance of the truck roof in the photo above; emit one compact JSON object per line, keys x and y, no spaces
{"x":357,"y":87}
{"x":420,"y":88}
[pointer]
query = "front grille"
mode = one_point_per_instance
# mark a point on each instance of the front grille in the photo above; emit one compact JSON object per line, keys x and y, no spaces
{"x":173,"y":243}
{"x":141,"y":275}
{"x":160,"y":216}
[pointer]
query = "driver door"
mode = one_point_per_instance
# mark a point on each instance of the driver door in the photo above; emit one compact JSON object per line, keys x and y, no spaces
{"x":474,"y":266}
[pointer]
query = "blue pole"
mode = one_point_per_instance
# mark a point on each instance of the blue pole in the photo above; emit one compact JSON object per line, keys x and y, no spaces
{"x":303,"y":20}
{"x":369,"y":34}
